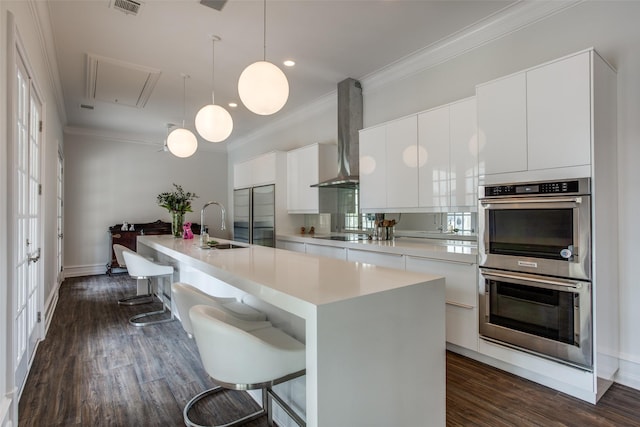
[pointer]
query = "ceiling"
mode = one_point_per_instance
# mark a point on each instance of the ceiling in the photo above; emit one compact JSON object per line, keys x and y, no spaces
{"x":138,"y":59}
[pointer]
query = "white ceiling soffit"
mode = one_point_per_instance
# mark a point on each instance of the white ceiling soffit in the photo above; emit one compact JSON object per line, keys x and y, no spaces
{"x":119,"y":82}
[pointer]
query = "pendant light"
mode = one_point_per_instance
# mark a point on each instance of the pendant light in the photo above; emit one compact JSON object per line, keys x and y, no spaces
{"x":262,"y":86}
{"x":213,"y":122}
{"x":182,"y":142}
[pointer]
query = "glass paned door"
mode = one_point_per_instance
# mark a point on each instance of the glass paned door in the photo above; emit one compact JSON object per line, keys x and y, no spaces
{"x":27,"y":277}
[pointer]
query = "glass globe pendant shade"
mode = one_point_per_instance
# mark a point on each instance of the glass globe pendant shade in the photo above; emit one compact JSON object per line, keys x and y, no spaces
{"x":214,"y":123}
{"x":263,"y":88}
{"x":182,"y":142}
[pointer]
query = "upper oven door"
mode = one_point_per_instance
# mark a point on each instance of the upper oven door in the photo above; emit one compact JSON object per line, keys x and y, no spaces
{"x":539,"y":235}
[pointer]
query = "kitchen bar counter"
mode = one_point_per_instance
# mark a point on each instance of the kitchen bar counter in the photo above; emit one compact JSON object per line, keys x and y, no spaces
{"x":375,"y":337}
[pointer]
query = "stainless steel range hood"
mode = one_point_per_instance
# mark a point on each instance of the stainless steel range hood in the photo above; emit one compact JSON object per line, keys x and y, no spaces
{"x":349,"y":123}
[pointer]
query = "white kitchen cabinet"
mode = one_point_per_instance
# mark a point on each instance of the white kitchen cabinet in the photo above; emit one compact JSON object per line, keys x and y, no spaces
{"x":377,"y":258}
{"x":502,"y":125}
{"x":327,"y":251}
{"x":538,"y":119}
{"x":461,"y":280}
{"x":389,"y":165}
{"x":463,"y":154}
{"x":433,"y":155}
{"x":402,"y":163}
{"x":373,"y":168}
{"x":257,"y":171}
{"x":447,"y":146}
{"x":559,"y":113}
{"x":306,"y":166}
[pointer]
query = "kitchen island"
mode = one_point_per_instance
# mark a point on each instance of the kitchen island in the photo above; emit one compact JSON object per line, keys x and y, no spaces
{"x":375,"y":337}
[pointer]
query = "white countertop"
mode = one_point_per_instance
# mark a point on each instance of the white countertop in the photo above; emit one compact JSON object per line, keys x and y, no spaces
{"x":445,"y":249}
{"x":276,"y":275}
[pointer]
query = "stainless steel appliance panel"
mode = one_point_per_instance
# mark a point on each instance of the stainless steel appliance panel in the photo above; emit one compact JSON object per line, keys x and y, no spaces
{"x":547,"y":316}
{"x":242,"y":215}
{"x":254,"y":215}
{"x":263,"y":216}
{"x":546,"y":234}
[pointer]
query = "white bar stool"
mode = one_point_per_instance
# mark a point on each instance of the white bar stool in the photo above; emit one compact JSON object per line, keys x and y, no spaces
{"x":186,"y":296}
{"x":141,"y":268}
{"x":136,"y":299}
{"x":240,"y":359}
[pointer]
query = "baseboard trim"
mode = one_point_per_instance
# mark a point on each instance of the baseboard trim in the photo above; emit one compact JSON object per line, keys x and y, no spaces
{"x":84,"y":270}
{"x":50,"y":307}
{"x":628,"y":374}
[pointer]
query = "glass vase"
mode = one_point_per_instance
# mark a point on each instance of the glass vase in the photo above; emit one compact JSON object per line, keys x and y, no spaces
{"x":177,"y":220}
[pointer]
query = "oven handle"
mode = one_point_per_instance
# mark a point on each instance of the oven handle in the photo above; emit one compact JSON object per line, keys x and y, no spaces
{"x":487,"y":202}
{"x":546,"y":281}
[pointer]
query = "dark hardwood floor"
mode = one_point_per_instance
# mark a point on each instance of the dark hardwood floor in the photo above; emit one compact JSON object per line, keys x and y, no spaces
{"x":94,"y":369}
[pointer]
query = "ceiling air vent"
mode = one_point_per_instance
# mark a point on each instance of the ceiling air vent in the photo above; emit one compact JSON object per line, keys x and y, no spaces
{"x":130,"y":7}
{"x":214,"y":4}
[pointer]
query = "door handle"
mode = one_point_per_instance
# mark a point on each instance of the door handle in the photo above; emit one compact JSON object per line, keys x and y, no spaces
{"x":35,"y":258}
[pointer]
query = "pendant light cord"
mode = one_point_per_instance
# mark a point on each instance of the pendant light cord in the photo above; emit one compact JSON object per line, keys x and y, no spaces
{"x":264,"y":31}
{"x":184,"y":98}
{"x":213,"y":66}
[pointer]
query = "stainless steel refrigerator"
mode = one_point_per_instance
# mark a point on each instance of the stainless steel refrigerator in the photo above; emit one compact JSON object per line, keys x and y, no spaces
{"x":254,"y":212}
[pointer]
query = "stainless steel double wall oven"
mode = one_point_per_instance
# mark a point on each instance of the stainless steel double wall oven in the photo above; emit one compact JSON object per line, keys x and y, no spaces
{"x":535,"y":268}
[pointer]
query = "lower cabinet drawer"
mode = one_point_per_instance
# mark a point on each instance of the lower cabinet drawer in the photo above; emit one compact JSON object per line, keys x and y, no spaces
{"x":327,"y":251}
{"x":290,"y":246}
{"x":377,"y":258}
{"x":462,"y":326}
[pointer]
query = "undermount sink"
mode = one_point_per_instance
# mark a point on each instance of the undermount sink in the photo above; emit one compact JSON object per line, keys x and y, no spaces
{"x":227,"y":246}
{"x":223,"y":246}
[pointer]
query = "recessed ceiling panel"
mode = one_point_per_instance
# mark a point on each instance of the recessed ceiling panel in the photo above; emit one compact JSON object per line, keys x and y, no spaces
{"x":119,"y":82}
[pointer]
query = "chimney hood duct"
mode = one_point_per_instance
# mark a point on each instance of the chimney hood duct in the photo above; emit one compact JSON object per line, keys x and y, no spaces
{"x":349,"y":123}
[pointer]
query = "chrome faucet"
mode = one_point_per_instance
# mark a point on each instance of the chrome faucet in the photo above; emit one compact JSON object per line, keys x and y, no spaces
{"x":202,"y":226}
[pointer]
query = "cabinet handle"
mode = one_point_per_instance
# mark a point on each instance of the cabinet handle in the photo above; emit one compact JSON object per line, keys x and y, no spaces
{"x":457,"y":304}
{"x":441,"y":260}
{"x":117,"y":236}
{"x":376,"y":252}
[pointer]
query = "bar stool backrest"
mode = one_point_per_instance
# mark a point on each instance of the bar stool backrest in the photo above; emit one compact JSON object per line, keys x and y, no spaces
{"x":138,"y":266}
{"x":118,"y":250}
{"x":248,"y":358}
{"x":186,"y":296}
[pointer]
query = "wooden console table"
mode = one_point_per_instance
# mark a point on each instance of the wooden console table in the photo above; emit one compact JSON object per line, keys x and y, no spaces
{"x":129,"y":238}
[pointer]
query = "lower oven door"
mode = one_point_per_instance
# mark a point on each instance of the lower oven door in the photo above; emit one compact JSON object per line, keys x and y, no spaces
{"x":544,"y":315}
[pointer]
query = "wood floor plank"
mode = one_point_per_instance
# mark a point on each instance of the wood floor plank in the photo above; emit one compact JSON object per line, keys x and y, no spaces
{"x":95,"y":369}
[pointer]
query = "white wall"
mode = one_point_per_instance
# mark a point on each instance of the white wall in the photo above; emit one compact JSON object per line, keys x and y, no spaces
{"x":609,"y":26}
{"x":107,"y":182}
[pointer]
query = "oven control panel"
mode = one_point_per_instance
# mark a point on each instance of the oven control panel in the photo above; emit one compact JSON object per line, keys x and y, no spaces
{"x":576,"y":186}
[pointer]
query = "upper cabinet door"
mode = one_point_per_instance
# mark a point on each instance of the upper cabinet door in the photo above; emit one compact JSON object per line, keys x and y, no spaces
{"x":402,"y":163}
{"x":373,"y":171}
{"x":433,"y":158}
{"x":502,"y":125}
{"x":242,"y":175}
{"x":302,"y":172}
{"x":559,"y":113}
{"x":463,"y":153}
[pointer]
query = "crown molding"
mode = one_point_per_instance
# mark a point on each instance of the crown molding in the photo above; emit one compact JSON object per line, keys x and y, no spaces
{"x":310,"y":110}
{"x":502,"y":23}
{"x":506,"y":21}
{"x":111,"y":136}
{"x":41,"y":18}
